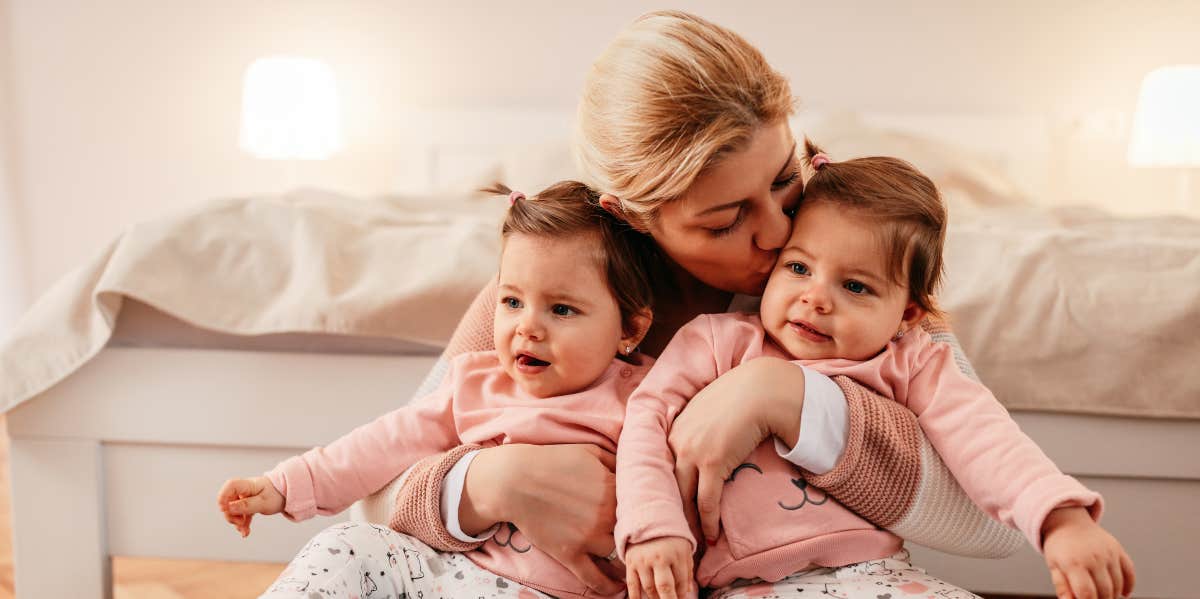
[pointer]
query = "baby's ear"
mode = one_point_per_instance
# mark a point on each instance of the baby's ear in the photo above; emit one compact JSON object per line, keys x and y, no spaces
{"x":635,"y":328}
{"x":912,"y":317}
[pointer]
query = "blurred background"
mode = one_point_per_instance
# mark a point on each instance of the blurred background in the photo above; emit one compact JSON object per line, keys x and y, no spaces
{"x":115,"y":112}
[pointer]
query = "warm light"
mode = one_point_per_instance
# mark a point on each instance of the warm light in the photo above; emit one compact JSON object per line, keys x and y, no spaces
{"x":290,"y":110}
{"x":1166,"y":126}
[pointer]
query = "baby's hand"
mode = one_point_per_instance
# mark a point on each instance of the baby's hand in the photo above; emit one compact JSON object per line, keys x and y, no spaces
{"x":241,"y":498}
{"x":1085,"y":561}
{"x":659,"y":569}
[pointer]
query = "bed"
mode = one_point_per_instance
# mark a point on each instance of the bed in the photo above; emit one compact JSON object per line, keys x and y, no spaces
{"x":123,"y":455}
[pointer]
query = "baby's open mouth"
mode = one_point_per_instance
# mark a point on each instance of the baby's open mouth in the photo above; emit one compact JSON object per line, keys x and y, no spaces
{"x":528,"y":360}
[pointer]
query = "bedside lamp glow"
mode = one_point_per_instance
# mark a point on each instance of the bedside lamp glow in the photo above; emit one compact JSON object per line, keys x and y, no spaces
{"x":290,"y":110}
{"x":1166,"y":126}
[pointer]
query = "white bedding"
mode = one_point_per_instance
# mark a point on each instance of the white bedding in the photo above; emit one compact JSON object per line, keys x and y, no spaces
{"x":308,"y":262}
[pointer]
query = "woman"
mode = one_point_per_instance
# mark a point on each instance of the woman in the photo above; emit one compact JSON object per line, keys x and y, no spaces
{"x":683,"y":128}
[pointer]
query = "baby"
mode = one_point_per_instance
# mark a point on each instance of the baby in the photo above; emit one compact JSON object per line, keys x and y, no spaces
{"x":852,"y":294}
{"x":574,"y":303}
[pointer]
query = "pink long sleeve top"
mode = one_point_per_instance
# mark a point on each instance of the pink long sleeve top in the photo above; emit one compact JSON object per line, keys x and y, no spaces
{"x":477,"y":403}
{"x":772,"y":522}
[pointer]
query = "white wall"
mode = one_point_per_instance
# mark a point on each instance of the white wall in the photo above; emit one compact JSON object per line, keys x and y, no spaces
{"x":14,"y":283}
{"x":127,"y":109}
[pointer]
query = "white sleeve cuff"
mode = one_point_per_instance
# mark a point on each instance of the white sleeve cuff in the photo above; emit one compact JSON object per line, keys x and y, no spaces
{"x":824,"y":422}
{"x":452,"y":490}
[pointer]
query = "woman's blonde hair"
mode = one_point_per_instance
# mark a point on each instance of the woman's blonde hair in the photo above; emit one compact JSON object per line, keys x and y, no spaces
{"x":667,"y":100}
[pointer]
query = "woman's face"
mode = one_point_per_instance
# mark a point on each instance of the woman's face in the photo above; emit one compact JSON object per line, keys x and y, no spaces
{"x":728,"y":227}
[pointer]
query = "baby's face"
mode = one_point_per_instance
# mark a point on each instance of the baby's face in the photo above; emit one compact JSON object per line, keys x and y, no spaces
{"x":829,"y":295}
{"x":558,"y":326}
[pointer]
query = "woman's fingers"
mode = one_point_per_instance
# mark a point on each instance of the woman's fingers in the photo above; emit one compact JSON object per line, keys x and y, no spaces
{"x":708,"y":503}
{"x":607,"y":458}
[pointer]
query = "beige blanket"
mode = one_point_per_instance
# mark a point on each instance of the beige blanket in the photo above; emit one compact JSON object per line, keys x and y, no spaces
{"x":310,"y":261}
{"x":1067,"y":310}
{"x":1074,"y":310}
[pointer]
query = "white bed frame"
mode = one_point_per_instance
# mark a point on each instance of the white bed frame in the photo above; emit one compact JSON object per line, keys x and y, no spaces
{"x":125,"y":456}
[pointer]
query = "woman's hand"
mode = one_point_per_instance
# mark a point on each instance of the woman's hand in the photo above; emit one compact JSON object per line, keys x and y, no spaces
{"x":1085,"y":561}
{"x":561,"y":497}
{"x":723,"y":424}
{"x":241,"y":498}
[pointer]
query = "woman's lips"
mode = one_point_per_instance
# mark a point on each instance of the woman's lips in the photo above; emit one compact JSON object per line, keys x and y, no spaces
{"x":808,"y":331}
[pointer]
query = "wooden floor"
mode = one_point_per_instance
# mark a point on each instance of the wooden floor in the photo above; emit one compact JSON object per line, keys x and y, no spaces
{"x":135,"y":578}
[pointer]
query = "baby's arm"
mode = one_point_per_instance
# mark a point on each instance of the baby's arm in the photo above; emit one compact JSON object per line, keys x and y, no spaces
{"x":653,"y":534}
{"x":1009,"y":476}
{"x":325,"y":480}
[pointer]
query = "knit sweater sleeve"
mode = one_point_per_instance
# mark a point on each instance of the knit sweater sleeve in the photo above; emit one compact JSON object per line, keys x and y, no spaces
{"x":890,"y":474}
{"x":415,"y":499}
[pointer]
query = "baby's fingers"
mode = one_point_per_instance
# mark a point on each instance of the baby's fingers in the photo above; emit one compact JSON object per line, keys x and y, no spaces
{"x":633,"y":583}
{"x":682,"y":571}
{"x":1081,"y":583}
{"x":664,"y":581}
{"x":1062,"y":589}
{"x":1127,"y":571}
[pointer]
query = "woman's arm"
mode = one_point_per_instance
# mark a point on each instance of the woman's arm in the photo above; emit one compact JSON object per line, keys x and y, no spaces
{"x":887,"y":472}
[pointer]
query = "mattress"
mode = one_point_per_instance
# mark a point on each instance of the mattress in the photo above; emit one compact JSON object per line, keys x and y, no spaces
{"x":142,"y":325}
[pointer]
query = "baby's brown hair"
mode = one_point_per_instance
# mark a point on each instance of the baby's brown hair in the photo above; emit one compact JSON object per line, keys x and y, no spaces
{"x":906,"y":204}
{"x":570,"y":208}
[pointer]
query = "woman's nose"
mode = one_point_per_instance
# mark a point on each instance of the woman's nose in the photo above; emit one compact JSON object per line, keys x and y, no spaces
{"x":774,"y":227}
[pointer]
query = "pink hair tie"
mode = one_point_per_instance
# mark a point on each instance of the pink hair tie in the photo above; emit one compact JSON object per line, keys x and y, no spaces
{"x":514,"y":196}
{"x":819,"y":160}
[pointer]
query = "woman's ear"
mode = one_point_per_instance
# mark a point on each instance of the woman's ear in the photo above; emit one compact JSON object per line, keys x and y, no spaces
{"x":634,"y":330}
{"x":913,"y":314}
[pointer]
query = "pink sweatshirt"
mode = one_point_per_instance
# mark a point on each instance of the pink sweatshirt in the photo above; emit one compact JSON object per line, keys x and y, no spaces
{"x":477,"y":403}
{"x":773,"y":523}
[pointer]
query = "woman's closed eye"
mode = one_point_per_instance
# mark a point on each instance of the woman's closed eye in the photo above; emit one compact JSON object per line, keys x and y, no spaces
{"x":785,"y":182}
{"x":727,"y":229}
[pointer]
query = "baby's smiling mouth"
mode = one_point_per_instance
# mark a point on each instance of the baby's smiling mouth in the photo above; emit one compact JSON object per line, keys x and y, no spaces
{"x":809,"y":331}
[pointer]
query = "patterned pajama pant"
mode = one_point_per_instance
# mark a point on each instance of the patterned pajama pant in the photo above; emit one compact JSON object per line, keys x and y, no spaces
{"x":888,"y":578}
{"x":356,"y":560}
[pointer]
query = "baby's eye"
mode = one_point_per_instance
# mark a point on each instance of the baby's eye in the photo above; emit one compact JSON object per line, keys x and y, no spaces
{"x":512,"y":303}
{"x":856,"y":287}
{"x":563,"y":310}
{"x":798,"y":268}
